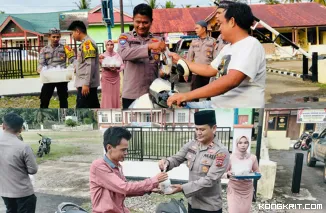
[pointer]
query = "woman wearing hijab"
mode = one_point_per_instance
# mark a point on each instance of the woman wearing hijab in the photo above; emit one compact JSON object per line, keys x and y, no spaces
{"x":240,"y":192}
{"x":110,"y":81}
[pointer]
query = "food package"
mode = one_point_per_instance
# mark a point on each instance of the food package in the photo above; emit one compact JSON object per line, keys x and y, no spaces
{"x":57,"y":74}
{"x":165,"y":186}
{"x":110,"y":62}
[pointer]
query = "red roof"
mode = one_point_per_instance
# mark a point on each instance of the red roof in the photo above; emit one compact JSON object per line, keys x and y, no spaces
{"x":280,"y":15}
{"x":291,"y":15}
{"x":95,"y":16}
{"x":178,"y":19}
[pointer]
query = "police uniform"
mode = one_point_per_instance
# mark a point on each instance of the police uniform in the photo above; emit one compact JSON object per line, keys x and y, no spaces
{"x":201,"y":51}
{"x":53,"y":57}
{"x":141,"y":65}
{"x":87,"y":73}
{"x":206,"y":166}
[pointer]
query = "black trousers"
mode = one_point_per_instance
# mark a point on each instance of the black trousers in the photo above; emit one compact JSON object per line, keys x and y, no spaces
{"x":127,"y":102}
{"x":20,"y":205}
{"x":47,"y":92}
{"x":197,"y":82}
{"x":191,"y":210}
{"x":88,"y":101}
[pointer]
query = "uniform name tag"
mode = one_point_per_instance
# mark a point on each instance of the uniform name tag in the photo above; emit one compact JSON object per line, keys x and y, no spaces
{"x":191,"y":151}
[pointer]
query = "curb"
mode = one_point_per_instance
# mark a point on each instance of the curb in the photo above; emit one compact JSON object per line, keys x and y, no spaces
{"x":282,"y":59}
{"x":282,"y":72}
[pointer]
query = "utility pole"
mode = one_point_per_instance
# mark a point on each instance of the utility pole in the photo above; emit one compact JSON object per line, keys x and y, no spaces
{"x":122,"y":23}
{"x":107,"y":15}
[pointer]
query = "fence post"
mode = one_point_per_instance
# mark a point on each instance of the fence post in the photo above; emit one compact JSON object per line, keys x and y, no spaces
{"x":297,"y":172}
{"x":314,"y":67}
{"x":304,"y":67}
{"x":141,"y":145}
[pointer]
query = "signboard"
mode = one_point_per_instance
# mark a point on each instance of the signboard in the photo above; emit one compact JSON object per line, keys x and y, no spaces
{"x":311,"y":116}
{"x":65,"y":19}
{"x":173,"y":38}
{"x":282,"y":122}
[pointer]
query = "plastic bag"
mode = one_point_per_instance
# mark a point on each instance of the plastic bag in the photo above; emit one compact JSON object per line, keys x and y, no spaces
{"x":110,"y":62}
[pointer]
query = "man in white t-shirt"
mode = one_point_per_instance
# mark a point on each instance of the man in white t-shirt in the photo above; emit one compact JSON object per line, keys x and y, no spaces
{"x":240,"y":66}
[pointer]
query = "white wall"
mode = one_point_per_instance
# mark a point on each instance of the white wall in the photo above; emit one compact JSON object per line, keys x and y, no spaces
{"x":321,"y":49}
{"x":108,"y":113}
{"x":224,"y":117}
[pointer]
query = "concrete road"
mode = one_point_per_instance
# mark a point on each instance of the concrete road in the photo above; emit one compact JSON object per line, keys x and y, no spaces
{"x":313,"y":189}
{"x":285,"y":91}
{"x":47,"y":203}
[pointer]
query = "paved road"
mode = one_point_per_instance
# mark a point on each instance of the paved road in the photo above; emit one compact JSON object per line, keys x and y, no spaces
{"x":284,"y":91}
{"x":47,"y":203}
{"x":313,"y":189}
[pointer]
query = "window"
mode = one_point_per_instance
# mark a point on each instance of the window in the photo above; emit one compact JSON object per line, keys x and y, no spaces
{"x":181,"y":117}
{"x":21,"y":43}
{"x":118,"y":118}
{"x":309,"y":127}
{"x":167,"y":117}
{"x":105,"y":118}
{"x":278,"y":122}
{"x":243,"y":119}
{"x":146,"y":117}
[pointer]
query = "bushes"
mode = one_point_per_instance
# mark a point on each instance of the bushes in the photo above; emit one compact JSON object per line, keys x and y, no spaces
{"x":71,"y":123}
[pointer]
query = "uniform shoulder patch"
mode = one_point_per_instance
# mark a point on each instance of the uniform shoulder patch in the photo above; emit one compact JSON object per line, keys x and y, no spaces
{"x":88,"y":49}
{"x":123,"y":39}
{"x":69,"y":51}
{"x":220,"y":158}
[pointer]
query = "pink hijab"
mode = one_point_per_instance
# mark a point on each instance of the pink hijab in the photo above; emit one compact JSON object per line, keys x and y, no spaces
{"x":238,"y":153}
{"x":107,"y":53}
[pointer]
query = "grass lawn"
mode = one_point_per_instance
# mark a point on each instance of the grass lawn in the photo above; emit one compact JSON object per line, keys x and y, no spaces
{"x":33,"y":102}
{"x":64,"y":136}
{"x":57,"y":151}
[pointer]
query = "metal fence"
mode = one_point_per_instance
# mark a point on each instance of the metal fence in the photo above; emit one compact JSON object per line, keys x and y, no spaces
{"x":17,"y":62}
{"x":11,"y":63}
{"x":155,"y":143}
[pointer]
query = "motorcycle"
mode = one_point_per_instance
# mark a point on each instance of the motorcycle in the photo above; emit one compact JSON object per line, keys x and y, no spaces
{"x":161,"y":89}
{"x":304,"y":142}
{"x":44,"y":146}
{"x":67,"y":207}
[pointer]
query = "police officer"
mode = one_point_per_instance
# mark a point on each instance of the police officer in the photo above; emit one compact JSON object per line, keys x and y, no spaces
{"x":140,"y":51}
{"x":53,"y":55}
{"x":88,"y":69}
{"x":202,"y":50}
{"x":207,"y":160}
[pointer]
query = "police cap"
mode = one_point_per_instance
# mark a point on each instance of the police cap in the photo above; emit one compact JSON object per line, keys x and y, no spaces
{"x":205,"y":117}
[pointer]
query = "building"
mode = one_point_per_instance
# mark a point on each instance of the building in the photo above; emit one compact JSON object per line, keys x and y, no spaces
{"x":169,"y":117}
{"x":32,"y":29}
{"x":283,"y":125}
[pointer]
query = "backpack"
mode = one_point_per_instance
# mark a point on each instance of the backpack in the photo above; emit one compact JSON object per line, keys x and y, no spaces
{"x":174,"y":206}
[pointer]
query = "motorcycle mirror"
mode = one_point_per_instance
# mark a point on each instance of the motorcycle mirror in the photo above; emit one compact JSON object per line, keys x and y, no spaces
{"x":315,"y":135}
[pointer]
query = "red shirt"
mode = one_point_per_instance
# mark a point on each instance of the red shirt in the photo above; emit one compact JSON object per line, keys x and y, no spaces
{"x":109,"y":187}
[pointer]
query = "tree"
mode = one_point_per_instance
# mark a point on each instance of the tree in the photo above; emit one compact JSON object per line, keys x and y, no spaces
{"x":83,"y":4}
{"x":187,"y":5}
{"x":41,"y":115}
{"x":152,"y":3}
{"x":2,"y":12}
{"x":322,"y":2}
{"x":291,"y":1}
{"x":169,"y":4}
{"x":271,"y":1}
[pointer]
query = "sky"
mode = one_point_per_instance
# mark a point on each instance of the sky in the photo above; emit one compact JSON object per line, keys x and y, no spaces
{"x":43,"y":6}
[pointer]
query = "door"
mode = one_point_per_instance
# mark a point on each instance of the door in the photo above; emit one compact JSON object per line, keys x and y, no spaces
{"x":293,"y":130}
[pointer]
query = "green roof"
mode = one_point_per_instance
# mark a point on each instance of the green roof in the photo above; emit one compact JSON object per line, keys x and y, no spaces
{"x":37,"y":22}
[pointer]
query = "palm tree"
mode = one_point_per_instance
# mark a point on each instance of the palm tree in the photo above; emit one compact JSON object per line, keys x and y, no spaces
{"x":41,"y":115}
{"x":271,"y":1}
{"x":169,"y":4}
{"x":83,"y":4}
{"x":152,"y":3}
{"x":322,"y":2}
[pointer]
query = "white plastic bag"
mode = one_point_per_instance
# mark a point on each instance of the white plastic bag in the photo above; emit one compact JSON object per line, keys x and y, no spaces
{"x":110,"y":62}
